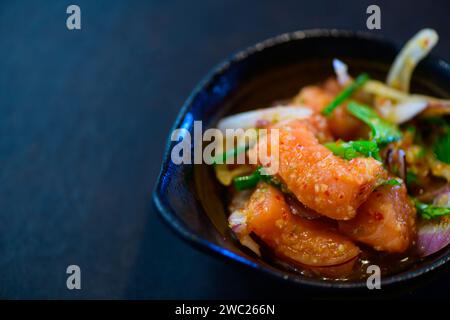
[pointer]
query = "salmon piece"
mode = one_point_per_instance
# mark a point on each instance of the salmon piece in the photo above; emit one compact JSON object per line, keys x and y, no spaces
{"x":332,"y":86}
{"x":313,"y":97}
{"x":319,"y":124}
{"x":328,"y":184}
{"x":341,"y":124}
{"x":386,"y":221}
{"x":302,"y":241}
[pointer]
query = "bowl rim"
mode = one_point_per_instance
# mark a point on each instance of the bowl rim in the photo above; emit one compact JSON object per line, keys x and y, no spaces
{"x":188,"y":235}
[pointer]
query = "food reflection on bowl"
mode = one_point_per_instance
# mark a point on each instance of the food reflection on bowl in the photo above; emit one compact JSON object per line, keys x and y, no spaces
{"x":361,"y":172}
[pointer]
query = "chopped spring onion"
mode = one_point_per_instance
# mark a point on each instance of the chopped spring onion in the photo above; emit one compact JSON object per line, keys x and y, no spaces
{"x":226,"y":176}
{"x":345,"y":94}
{"x":442,"y":148}
{"x":383,"y":132}
{"x":231,"y":153}
{"x":391,"y":182}
{"x":354,"y":149}
{"x":250,"y":181}
{"x":429,"y":211}
{"x":247,"y":182}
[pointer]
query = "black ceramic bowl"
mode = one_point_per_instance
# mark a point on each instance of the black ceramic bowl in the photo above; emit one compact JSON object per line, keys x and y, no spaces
{"x":189,"y":198}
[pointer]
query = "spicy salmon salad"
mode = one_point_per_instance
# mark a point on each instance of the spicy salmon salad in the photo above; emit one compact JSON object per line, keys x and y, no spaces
{"x":349,"y":172}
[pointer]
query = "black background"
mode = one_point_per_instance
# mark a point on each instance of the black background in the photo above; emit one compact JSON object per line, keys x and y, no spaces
{"x":84,"y":116}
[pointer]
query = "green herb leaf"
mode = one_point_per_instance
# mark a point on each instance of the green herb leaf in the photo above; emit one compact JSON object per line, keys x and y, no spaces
{"x":429,"y":211}
{"x":247,"y":182}
{"x":250,"y":181}
{"x":354,"y":149}
{"x":442,"y":148}
{"x":345,"y":94}
{"x":231,"y":153}
{"x":383,"y":132}
{"x":411,"y":178}
{"x":391,"y":182}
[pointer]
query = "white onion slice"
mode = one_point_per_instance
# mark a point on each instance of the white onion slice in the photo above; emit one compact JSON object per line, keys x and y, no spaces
{"x":249,"y":119}
{"x":238,"y":223}
{"x":415,"y":49}
{"x":408,"y":105}
{"x":402,"y":112}
{"x":380,"y":89}
{"x":341,"y":70}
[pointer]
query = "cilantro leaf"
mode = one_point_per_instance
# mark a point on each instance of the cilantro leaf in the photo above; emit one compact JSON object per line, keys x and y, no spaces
{"x":354,"y":149}
{"x":383,"y":132}
{"x":391,"y":182}
{"x":442,"y":148}
{"x":429,"y":211}
{"x":345,"y":94}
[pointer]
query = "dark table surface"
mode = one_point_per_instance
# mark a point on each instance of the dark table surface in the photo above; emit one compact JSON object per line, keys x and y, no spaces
{"x":83,"y":120}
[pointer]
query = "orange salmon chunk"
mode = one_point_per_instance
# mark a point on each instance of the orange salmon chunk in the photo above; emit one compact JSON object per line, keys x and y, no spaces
{"x":386,"y":221}
{"x":305,"y":242}
{"x":328,"y":184}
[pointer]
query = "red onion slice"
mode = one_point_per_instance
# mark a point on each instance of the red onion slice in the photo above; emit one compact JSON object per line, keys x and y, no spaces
{"x":433,"y":235}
